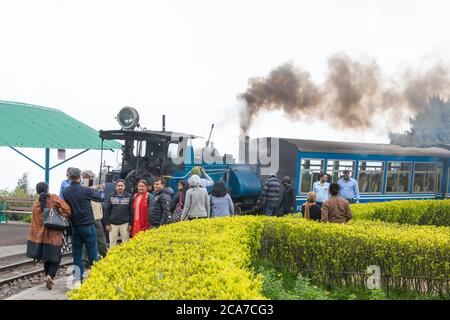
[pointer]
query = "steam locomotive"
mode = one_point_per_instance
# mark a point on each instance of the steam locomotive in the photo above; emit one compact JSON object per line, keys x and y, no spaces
{"x":148,"y":154}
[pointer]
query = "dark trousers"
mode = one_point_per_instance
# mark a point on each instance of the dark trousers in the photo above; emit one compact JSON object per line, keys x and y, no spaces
{"x":271,"y":208}
{"x":84,"y":235}
{"x":101,"y":238}
{"x":51,"y":267}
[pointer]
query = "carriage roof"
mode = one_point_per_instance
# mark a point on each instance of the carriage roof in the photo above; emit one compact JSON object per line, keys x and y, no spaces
{"x":366,"y":148}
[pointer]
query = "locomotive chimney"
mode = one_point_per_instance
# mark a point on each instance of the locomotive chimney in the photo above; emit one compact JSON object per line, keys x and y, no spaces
{"x":244,"y":144}
{"x":164,"y":122}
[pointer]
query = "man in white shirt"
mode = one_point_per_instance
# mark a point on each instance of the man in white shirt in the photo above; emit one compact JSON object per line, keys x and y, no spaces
{"x":321,"y":189}
{"x":204,"y":182}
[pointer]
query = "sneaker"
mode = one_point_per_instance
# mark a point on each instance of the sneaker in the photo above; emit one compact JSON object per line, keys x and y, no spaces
{"x":77,"y":284}
{"x":49,"y":283}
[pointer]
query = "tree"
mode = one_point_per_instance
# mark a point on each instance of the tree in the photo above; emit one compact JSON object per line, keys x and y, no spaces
{"x":23,"y":186}
{"x":430,"y":127}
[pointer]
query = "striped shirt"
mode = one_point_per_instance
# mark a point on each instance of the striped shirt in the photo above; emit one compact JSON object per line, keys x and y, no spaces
{"x":271,"y":189}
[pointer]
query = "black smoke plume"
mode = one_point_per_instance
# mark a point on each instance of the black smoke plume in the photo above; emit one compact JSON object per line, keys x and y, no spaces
{"x":353,"y":93}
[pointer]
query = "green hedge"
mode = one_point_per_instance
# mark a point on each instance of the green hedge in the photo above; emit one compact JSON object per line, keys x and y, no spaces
{"x":411,"y":258}
{"x":203,"y":259}
{"x":211,"y":259}
{"x":419,"y":212}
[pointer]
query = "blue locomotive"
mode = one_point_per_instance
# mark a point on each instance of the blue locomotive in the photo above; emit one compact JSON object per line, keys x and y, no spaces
{"x":171,"y":155}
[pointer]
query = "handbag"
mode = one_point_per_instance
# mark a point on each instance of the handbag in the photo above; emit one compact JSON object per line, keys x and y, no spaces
{"x":178,"y":212}
{"x":55,"y":220}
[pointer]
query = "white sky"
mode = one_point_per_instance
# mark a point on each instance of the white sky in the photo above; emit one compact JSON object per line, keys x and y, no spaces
{"x":189,"y":60}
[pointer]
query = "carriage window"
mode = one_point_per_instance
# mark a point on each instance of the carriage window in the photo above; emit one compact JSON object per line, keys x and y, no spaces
{"x":398,"y":176}
{"x":448,"y":181}
{"x":336,"y":167}
{"x":425,"y":177}
{"x":309,"y":172}
{"x":370,"y":176}
{"x":141,"y":146}
{"x":439,"y":174}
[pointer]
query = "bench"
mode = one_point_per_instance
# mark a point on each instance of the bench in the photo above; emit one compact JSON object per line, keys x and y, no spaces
{"x":17,"y":207}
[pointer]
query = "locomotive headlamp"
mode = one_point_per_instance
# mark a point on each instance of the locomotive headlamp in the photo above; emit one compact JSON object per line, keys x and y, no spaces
{"x":128,"y":118}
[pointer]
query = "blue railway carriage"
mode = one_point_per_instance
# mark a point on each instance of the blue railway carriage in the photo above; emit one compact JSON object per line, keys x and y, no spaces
{"x":384,"y":172}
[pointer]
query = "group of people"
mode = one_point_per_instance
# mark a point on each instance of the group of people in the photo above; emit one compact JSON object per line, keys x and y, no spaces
{"x":108,"y":211}
{"x":330,"y":202}
{"x":327,"y":202}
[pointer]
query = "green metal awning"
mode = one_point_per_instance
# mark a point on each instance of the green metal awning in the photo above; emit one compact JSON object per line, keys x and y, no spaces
{"x":29,"y":126}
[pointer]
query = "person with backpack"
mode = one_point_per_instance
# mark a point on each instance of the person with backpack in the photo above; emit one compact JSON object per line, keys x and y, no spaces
{"x":287,"y":197}
{"x":221,"y":202}
{"x":177,"y":205}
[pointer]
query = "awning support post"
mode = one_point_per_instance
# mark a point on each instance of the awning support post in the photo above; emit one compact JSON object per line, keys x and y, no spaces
{"x":47,"y":165}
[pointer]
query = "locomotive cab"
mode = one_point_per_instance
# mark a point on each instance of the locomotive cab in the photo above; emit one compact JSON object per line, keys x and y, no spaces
{"x":149,"y":154}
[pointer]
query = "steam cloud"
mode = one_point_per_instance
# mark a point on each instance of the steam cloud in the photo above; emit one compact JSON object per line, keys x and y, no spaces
{"x":352,"y":94}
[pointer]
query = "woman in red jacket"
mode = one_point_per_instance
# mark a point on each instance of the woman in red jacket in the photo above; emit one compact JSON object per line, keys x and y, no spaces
{"x":141,"y":208}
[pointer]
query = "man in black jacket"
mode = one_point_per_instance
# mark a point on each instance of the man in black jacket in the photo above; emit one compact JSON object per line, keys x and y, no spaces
{"x":118,"y":214}
{"x":287,"y":197}
{"x":159,"y":204}
{"x":82,"y":220}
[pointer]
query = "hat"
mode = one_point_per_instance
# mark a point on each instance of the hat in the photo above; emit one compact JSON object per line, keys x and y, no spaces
{"x":196,"y":170}
{"x":287,"y":180}
{"x":195,"y":181}
{"x":74,"y":172}
{"x":88,"y":174}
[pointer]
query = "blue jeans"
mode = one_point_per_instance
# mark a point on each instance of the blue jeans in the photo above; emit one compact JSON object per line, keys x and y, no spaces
{"x":84,"y":235}
{"x":270,"y":208}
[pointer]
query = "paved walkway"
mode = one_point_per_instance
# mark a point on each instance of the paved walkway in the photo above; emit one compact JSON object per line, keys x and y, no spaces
{"x":6,"y":251}
{"x":40,"y":292}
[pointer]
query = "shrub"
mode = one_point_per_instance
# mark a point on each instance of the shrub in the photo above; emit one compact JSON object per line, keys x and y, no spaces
{"x":211,"y":259}
{"x":26,"y":218}
{"x":203,"y":259}
{"x":411,"y":258}
{"x":420,"y":212}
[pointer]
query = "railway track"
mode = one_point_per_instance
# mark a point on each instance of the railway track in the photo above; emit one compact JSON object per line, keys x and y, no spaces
{"x":23,"y":268}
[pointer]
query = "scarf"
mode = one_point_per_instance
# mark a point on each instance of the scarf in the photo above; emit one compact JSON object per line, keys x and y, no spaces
{"x":307,"y":206}
{"x":140,"y":221}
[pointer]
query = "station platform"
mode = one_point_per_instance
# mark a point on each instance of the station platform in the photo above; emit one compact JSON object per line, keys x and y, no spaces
{"x":13,"y":233}
{"x":58,"y":292}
